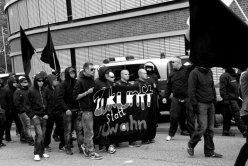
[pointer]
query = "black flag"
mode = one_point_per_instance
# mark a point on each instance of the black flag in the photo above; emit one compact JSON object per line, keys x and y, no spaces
{"x":27,"y":51}
{"x":48,"y":54}
{"x":218,"y":37}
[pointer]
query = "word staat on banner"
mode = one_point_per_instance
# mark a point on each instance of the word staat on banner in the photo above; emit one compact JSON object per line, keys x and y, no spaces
{"x":124,"y":114}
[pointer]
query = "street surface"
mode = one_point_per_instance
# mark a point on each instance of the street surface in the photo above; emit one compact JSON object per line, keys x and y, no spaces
{"x":160,"y":153}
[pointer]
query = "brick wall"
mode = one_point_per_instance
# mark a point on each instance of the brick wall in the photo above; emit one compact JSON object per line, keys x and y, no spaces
{"x":149,"y":24}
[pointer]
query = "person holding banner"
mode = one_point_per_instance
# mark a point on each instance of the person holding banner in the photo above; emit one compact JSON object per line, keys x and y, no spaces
{"x":202,"y":96}
{"x":83,"y":93}
{"x":124,"y":81}
{"x":104,"y":81}
{"x":141,"y":81}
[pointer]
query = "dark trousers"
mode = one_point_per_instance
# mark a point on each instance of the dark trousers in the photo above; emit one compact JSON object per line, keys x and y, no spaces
{"x":58,"y":120}
{"x":2,"y":125}
{"x":242,"y":157}
{"x":205,"y":126}
{"x":76,"y":119}
{"x":40,"y":131}
{"x":232,"y":110}
{"x":10,"y":117}
{"x":181,"y":113}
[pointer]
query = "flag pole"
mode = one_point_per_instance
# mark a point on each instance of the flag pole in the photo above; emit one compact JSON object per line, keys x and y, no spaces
{"x":241,"y":10}
{"x":4,"y":51}
{"x":54,"y":62}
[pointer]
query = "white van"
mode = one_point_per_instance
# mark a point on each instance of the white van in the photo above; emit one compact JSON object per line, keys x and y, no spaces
{"x":162,"y":68}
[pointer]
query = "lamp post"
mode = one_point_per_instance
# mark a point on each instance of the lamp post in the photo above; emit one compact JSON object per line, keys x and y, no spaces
{"x":4,"y":52}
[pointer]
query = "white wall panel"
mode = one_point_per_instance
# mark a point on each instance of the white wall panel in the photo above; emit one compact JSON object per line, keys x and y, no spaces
{"x":46,"y":11}
{"x":60,"y":10}
{"x":14,"y":18}
{"x":37,"y":65}
{"x":93,"y":7}
{"x":23,"y":14}
{"x":129,"y":4}
{"x":18,"y":64}
{"x":96,"y":54}
{"x":149,"y":2}
{"x":82,"y":56}
{"x":110,"y":6}
{"x":33,"y":13}
{"x":64,"y":57}
{"x":78,"y":9}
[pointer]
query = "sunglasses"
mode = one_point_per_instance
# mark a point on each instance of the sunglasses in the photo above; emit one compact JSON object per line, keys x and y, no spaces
{"x":40,"y":80}
{"x":112,"y":77}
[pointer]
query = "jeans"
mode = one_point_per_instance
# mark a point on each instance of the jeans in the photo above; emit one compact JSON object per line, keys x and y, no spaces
{"x":26,"y":123}
{"x":88,"y":122}
{"x":2,"y":125}
{"x":205,"y":126}
{"x":180,"y":113}
{"x":242,"y":157}
{"x":58,"y":120}
{"x":76,"y":120}
{"x":10,"y":117}
{"x":40,"y":131}
{"x":232,"y":110}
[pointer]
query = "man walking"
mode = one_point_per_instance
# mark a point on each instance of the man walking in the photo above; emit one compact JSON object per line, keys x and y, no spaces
{"x":83,"y":92}
{"x":181,"y":110}
{"x":202,"y":96}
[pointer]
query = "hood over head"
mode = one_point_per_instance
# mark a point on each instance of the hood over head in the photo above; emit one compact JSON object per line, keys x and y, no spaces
{"x":67,"y":73}
{"x":102,"y":71}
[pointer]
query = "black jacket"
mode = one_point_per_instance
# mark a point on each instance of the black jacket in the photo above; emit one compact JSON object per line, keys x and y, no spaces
{"x":53,"y":105}
{"x":122,"y":83}
{"x":229,"y":86}
{"x":178,"y":82}
{"x":4,"y":100}
{"x":83,"y":84}
{"x":21,"y":100}
{"x":38,"y":100}
{"x":102,"y":81}
{"x":201,"y":86}
{"x":10,"y":89}
{"x":65,"y":97}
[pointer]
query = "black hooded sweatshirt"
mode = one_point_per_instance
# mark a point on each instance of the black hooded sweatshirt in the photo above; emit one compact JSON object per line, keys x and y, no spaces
{"x":102,"y":81}
{"x":38,"y":99}
{"x":21,"y":100}
{"x":65,"y":93}
{"x":201,"y":86}
{"x":3,"y":98}
{"x":10,"y":89}
{"x":83,"y":84}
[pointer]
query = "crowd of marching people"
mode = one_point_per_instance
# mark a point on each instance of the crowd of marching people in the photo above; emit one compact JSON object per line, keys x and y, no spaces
{"x":66,"y":104}
{"x":63,"y":102}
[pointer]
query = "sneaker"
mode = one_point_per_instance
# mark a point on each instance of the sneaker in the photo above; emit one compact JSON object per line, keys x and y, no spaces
{"x":190,"y":150}
{"x":111,"y":149}
{"x":68,"y":151}
{"x":37,"y":157}
{"x":214,"y":155}
{"x":44,"y":155}
{"x":95,"y":156}
{"x":62,"y":148}
{"x":2,"y":144}
{"x":168,"y":138}
{"x":134,"y":144}
{"x":84,"y":150}
{"x":48,"y":148}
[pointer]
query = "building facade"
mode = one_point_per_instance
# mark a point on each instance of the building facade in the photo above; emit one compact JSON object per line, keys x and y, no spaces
{"x":93,"y":30}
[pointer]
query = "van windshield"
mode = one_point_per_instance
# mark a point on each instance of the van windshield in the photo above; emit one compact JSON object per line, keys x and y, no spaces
{"x":133,"y":71}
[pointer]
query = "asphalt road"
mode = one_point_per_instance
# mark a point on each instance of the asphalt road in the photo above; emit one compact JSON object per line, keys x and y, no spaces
{"x":172,"y":153}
